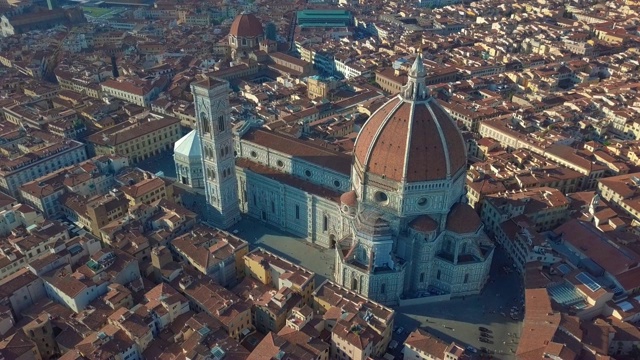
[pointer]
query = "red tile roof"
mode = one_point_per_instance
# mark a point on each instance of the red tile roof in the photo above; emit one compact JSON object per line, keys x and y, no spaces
{"x":410,"y":141}
{"x":246,"y":25}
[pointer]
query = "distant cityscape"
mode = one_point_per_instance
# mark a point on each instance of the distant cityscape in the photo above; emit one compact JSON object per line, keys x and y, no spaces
{"x":319,"y":180}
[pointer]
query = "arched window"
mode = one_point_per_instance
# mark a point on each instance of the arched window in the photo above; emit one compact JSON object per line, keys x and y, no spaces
{"x":448,"y":246}
{"x":221,"y":123}
{"x":204,"y":123}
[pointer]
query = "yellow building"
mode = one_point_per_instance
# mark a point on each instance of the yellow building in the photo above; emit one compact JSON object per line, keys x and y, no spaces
{"x":273,"y":270}
{"x":139,"y":138}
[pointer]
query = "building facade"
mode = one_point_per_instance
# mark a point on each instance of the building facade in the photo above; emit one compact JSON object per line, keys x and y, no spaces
{"x":24,"y":168}
{"x":140,"y":138}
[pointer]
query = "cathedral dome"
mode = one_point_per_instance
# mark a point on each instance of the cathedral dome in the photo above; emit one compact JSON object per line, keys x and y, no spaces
{"x":246,"y":25}
{"x":411,"y":138}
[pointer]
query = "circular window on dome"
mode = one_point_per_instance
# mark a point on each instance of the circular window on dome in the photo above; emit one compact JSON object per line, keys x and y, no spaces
{"x":254,"y":154}
{"x":336,"y":183}
{"x":380,"y":197}
{"x":422,"y":201}
{"x":279,"y":163}
{"x":307,"y":173}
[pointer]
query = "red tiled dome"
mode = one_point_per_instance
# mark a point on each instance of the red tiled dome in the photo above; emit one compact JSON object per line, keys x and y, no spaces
{"x":410,"y":138}
{"x":246,"y":25}
{"x":424,"y":223}
{"x":463,"y":219}
{"x":349,"y":198}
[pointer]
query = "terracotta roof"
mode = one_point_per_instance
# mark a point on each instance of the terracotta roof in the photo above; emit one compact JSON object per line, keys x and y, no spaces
{"x":246,"y":25}
{"x":599,"y":247}
{"x":426,"y":343}
{"x":424,"y":223}
{"x":463,"y":219}
{"x":300,"y":149}
{"x":411,"y":141}
{"x":349,"y":198}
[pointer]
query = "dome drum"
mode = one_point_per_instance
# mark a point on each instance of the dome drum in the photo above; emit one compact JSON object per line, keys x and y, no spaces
{"x":411,"y":145}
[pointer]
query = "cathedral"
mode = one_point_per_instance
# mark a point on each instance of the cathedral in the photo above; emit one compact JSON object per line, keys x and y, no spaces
{"x":410,"y":230}
{"x":394,"y":212}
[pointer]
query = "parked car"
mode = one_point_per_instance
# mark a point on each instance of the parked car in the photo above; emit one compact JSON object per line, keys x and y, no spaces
{"x":393,"y":344}
{"x":400,"y":330}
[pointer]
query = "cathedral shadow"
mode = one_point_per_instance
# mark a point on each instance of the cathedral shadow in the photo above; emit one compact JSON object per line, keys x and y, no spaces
{"x":483,"y":309}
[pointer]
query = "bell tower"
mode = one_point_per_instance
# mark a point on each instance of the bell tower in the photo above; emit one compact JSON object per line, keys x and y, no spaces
{"x":211,"y":97}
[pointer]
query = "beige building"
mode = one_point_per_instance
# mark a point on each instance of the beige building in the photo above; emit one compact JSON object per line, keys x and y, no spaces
{"x":545,"y":208}
{"x":284,"y":286}
{"x":423,"y":346}
{"x":139,"y":138}
{"x":623,"y":191}
{"x":136,"y":91}
{"x":40,"y":332}
{"x":146,"y":191}
{"x":92,"y":213}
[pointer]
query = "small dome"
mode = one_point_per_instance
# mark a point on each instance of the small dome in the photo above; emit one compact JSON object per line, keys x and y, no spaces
{"x":411,"y":138}
{"x":424,"y":223}
{"x":246,"y":25}
{"x":463,"y":219}
{"x":188,"y":145}
{"x":349,"y":198}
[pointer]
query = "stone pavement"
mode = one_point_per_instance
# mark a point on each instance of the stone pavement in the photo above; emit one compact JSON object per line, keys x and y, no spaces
{"x":294,"y":249}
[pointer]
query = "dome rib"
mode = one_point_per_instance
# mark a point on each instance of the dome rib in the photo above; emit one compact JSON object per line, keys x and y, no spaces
{"x":408,"y":142}
{"x":376,"y":135}
{"x":443,"y":140}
